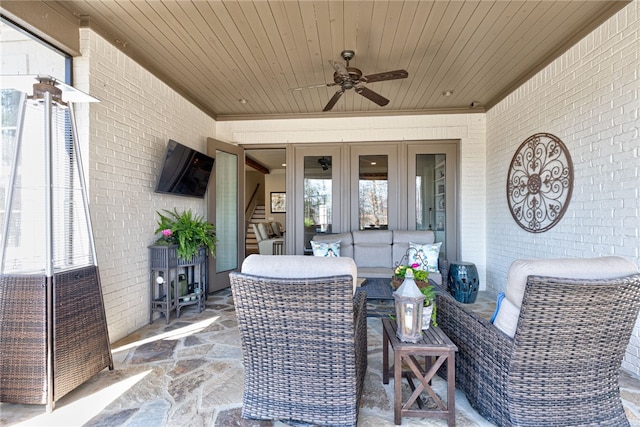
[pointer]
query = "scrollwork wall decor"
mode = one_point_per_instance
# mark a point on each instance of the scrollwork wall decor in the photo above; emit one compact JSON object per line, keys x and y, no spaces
{"x":540,"y":182}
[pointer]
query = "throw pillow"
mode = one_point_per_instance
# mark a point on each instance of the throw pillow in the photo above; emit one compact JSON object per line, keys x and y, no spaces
{"x":426,"y":255}
{"x":326,"y":249}
{"x":507,"y":317}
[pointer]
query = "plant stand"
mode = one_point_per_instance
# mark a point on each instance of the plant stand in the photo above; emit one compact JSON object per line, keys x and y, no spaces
{"x":168,"y":272}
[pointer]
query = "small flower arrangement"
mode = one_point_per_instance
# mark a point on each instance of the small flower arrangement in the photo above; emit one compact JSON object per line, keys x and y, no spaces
{"x":418,"y":274}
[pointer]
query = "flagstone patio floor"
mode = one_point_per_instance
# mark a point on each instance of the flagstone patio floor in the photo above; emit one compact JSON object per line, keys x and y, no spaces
{"x":189,"y":373}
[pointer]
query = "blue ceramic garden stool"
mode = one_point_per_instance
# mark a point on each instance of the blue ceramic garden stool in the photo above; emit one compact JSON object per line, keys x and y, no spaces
{"x":463,"y":281}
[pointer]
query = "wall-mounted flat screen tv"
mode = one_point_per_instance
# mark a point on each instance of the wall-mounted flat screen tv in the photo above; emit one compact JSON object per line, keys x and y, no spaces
{"x":185,"y":171}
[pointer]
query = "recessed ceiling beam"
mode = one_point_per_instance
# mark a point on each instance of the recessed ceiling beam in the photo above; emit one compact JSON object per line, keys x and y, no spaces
{"x":257,"y":166}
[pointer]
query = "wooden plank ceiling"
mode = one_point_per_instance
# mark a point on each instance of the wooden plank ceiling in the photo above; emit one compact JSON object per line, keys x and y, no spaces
{"x":217,"y":53}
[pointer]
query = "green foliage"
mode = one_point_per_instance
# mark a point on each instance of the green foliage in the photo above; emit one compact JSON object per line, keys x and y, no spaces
{"x":429,"y":299}
{"x":418,"y":274}
{"x":190,"y":232}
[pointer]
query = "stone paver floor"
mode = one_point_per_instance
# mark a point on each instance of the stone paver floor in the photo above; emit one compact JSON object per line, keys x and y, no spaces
{"x":189,"y":373}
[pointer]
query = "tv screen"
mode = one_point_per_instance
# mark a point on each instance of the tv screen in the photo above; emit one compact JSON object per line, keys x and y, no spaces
{"x":185,"y":171}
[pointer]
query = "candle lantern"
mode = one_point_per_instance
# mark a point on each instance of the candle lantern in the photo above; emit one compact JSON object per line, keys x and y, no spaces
{"x":409,"y":302}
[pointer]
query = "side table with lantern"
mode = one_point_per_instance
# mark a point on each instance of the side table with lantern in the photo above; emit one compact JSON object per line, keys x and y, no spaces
{"x":432,"y":344}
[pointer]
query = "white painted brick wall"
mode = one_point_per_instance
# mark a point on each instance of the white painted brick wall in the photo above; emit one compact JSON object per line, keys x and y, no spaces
{"x":589,"y":98}
{"x":129,"y":130}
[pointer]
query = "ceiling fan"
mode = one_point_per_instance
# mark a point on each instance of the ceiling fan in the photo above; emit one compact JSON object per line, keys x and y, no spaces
{"x":351,"y":78}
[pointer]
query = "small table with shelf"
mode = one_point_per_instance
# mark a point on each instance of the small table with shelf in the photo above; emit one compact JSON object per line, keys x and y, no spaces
{"x":434,"y":343}
{"x":166,"y":269}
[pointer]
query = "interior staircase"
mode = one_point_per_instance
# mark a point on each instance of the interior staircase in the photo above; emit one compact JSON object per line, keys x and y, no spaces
{"x":251,"y":244}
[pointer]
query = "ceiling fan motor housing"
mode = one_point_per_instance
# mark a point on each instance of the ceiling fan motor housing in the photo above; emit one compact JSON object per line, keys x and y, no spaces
{"x":348,"y":82}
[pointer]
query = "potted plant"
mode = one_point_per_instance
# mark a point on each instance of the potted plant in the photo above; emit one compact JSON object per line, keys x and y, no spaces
{"x":190,"y":232}
{"x":419,"y":276}
{"x":429,"y":311}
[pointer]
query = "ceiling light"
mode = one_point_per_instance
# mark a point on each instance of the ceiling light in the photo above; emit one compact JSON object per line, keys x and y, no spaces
{"x":284,"y":165}
{"x":447,"y":93}
{"x":242,"y":101}
{"x":373,"y":163}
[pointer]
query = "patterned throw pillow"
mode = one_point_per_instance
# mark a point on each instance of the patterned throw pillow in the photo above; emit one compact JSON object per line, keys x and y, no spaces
{"x":426,"y":255}
{"x":326,"y":249}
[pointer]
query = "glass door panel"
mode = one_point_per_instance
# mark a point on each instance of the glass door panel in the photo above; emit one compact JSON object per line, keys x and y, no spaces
{"x":225,"y":208}
{"x":318,"y":197}
{"x":430,"y":204}
{"x":432,"y":196}
{"x":373,"y":192}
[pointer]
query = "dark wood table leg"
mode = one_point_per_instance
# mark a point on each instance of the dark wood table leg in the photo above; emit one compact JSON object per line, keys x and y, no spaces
{"x":451,"y":389}
{"x":385,"y":357}
{"x":397,"y":387}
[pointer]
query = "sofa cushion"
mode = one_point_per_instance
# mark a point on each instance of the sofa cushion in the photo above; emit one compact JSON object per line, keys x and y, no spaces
{"x":506,"y":317}
{"x":346,"y":242}
{"x":328,"y":249}
{"x":299,"y":267}
{"x":372,"y":248}
{"x":425,"y":255}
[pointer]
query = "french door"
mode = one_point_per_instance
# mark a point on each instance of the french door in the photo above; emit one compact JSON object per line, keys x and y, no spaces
{"x":369,"y":186}
{"x":432,"y":202}
{"x":226,"y":210}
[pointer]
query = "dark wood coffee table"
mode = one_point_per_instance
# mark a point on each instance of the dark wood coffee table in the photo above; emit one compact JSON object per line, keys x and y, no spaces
{"x":434,"y":344}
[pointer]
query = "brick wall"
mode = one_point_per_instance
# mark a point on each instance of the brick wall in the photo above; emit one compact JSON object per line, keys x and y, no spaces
{"x":128,"y":133}
{"x":589,"y":99}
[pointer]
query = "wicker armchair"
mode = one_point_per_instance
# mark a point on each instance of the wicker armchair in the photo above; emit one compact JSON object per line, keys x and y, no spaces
{"x":562,"y":367}
{"x":304,"y":338}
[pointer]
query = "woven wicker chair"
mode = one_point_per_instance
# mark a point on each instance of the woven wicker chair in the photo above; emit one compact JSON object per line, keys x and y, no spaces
{"x":304,"y":339}
{"x":562,"y":367}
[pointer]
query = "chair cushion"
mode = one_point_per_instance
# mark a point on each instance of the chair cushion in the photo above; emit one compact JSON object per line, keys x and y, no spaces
{"x":262,"y":229}
{"x":275,"y":229}
{"x":425,"y":255}
{"x":328,"y":249}
{"x":299,"y":267}
{"x":506,"y":317}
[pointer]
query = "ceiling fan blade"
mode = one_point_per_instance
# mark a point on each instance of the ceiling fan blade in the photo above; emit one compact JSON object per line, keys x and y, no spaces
{"x":333,"y":100}
{"x":313,"y":86}
{"x":372,"y":96}
{"x":340,"y":69}
{"x":388,"y":75}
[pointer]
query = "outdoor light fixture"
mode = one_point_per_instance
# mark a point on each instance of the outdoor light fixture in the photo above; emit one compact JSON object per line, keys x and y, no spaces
{"x":409,"y":302}
{"x":53,"y":325}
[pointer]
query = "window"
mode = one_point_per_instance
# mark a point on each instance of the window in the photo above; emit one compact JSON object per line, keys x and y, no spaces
{"x":24,"y":54}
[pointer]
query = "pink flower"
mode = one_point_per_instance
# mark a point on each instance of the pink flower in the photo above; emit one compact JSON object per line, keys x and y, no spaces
{"x":166,"y":232}
{"x":415,"y":265}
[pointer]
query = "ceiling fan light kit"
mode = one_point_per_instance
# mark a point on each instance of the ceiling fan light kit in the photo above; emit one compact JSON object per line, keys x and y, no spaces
{"x":351,"y":78}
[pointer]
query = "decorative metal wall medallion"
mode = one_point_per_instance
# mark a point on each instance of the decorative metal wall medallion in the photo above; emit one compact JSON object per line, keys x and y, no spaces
{"x":540,"y":182}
